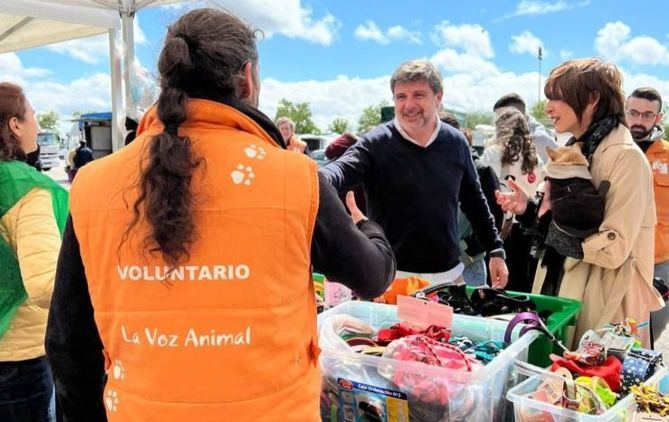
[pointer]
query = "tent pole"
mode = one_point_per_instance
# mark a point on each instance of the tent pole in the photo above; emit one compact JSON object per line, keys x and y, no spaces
{"x":127,"y":13}
{"x":116,"y":94}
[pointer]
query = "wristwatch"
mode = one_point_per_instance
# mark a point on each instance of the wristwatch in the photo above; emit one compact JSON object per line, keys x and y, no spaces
{"x":497,"y":253}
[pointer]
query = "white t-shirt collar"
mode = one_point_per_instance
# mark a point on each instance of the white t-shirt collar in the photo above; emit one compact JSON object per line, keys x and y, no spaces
{"x":406,"y":136}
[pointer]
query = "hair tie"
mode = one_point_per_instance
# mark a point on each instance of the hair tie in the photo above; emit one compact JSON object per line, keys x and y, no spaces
{"x":192,"y":44}
{"x":172,"y":129}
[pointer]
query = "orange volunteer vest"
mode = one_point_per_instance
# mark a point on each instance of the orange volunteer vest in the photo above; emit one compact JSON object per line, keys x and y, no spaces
{"x":658,"y":156}
{"x":231,"y":334}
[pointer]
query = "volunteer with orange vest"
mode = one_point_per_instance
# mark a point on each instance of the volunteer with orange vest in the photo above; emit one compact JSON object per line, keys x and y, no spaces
{"x":185,"y":273}
{"x":644,"y":115}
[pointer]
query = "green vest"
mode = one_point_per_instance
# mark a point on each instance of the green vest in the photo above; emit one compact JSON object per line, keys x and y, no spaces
{"x":16,"y":180}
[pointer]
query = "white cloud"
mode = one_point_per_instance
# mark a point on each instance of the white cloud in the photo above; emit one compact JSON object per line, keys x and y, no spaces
{"x":371,"y":31}
{"x":530,"y":7}
{"x":342,"y":96}
{"x":12,"y":70}
{"x":450,"y":61}
{"x":465,"y":92}
{"x":93,"y":50}
{"x":473,"y":39}
{"x":566,"y":54}
{"x":398,"y":32}
{"x":90,"y":50}
{"x":285,"y":17}
{"x":610,"y":37}
{"x":535,"y":7}
{"x":613,"y":43}
{"x":90,"y":93}
{"x":526,"y":43}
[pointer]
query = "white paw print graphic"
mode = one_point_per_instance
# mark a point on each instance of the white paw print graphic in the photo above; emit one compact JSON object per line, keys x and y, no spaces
{"x":118,"y":371}
{"x":243,"y":174}
{"x":254,"y":151}
{"x":111,"y":400}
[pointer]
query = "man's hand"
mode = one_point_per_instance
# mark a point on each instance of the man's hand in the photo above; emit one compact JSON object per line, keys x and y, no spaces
{"x":356,"y":214}
{"x":499,"y":274}
{"x":514,"y":202}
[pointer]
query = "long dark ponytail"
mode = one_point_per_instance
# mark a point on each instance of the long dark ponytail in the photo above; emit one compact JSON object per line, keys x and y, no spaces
{"x":203,"y":55}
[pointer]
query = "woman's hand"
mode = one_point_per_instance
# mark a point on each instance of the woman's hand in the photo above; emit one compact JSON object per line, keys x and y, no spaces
{"x":515,"y":201}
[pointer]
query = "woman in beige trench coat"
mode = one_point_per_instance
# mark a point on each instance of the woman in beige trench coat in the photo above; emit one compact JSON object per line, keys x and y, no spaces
{"x":612,"y":274}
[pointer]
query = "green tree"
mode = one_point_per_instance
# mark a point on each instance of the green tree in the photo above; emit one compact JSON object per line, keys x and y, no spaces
{"x":48,"y":119}
{"x":339,"y":125}
{"x":300,"y":113}
{"x":371,"y":116}
{"x":538,"y":111}
{"x":478,"y":118}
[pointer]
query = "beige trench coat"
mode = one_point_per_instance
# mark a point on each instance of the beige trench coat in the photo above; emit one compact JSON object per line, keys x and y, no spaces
{"x":615,"y":278}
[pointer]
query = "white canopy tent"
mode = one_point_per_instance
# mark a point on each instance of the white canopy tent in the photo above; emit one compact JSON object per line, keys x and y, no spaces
{"x":32,"y":23}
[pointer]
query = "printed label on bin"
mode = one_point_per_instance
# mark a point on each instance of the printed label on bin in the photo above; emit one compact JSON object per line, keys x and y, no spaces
{"x":423,"y":313}
{"x":360,"y":402}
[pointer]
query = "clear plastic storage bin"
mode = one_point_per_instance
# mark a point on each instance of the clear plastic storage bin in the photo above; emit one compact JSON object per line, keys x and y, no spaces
{"x":528,"y":409}
{"x":359,"y":388}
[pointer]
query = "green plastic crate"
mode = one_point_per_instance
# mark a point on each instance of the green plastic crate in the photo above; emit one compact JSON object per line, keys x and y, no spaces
{"x":563,"y":315}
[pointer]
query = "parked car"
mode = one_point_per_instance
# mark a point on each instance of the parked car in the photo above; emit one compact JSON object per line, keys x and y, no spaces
{"x":319,"y":156}
{"x":49,"y":143}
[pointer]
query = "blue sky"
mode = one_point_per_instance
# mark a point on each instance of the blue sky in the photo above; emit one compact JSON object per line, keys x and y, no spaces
{"x":338,"y":55}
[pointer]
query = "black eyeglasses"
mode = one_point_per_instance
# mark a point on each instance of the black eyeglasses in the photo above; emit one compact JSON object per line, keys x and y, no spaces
{"x":646,"y":115}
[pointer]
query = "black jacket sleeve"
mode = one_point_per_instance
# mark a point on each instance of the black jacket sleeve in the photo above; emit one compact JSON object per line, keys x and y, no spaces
{"x":530,"y":217}
{"x":489,"y":184}
{"x":475,"y":207}
{"x":350,"y":169}
{"x":73,"y":345}
{"x":360,"y":258}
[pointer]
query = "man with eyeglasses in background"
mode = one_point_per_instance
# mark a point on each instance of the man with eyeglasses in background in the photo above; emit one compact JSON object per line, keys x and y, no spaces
{"x":644,"y":117}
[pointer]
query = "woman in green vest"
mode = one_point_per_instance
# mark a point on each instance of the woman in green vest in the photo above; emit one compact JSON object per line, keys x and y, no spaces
{"x":33,"y":210}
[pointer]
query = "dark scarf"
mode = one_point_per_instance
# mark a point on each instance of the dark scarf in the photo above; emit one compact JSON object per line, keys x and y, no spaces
{"x":592,"y":137}
{"x":553,"y":260}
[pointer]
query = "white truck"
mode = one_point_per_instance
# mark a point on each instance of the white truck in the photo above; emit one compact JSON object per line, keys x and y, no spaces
{"x":49,"y":146}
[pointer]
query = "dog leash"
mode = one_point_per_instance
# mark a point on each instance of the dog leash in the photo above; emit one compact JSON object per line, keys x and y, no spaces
{"x":532,"y":322}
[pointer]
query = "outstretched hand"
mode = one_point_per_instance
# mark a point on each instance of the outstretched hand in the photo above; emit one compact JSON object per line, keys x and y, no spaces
{"x":352,"y":206}
{"x":515,"y":201}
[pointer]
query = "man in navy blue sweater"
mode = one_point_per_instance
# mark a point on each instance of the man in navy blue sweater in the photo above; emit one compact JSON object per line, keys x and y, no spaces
{"x":416,"y":171}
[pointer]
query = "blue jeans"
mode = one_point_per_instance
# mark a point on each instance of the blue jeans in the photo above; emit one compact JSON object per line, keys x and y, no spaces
{"x":475,"y":274}
{"x":26,"y":391}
